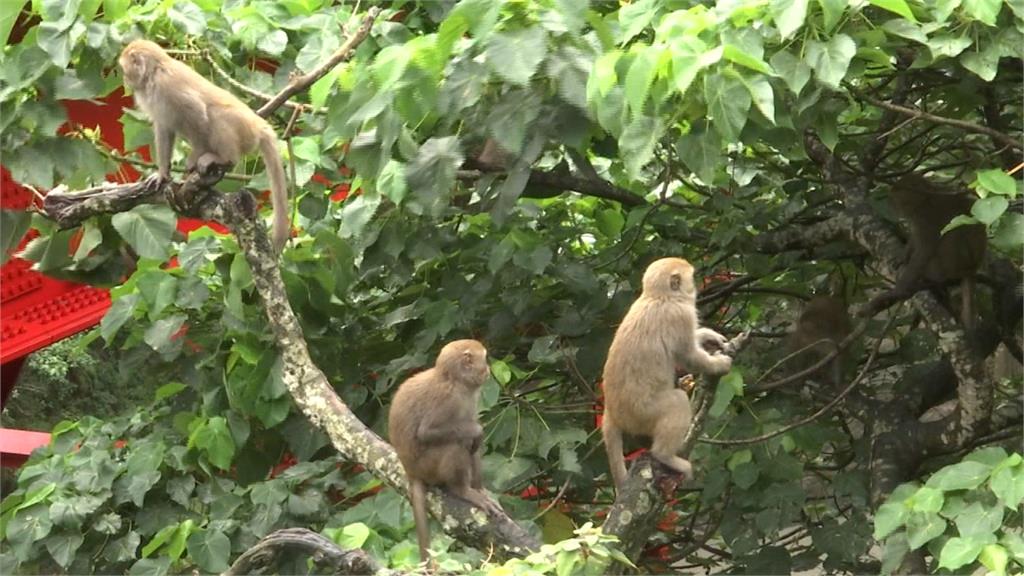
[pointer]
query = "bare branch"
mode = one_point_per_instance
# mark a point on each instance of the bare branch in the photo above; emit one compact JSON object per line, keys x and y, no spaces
{"x":300,"y":82}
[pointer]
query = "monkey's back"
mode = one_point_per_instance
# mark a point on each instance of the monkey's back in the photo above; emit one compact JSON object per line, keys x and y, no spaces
{"x":642,"y":361}
{"x":423,"y":393}
{"x":208,"y":115}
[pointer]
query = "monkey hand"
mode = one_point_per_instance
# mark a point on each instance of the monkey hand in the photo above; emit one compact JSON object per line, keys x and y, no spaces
{"x":731,"y":347}
{"x":154,"y":182}
{"x":709,"y":339}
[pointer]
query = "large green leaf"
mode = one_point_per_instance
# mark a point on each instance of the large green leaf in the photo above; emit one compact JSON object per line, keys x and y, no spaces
{"x":962,"y":476}
{"x":13,"y":226}
{"x":147,"y":229}
{"x":639,"y":78}
{"x":701,"y":152}
{"x":959,"y":551}
{"x":830,"y":60}
{"x":637,"y":143}
{"x":728,"y":102}
{"x":515,"y":56}
{"x":431,"y":175}
{"x":986,"y":11}
{"x":210,"y":549}
{"x":788,"y":15}
{"x":923,"y":527}
{"x":896,"y":6}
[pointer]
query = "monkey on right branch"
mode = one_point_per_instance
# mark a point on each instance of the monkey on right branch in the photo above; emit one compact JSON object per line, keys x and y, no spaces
{"x":660,"y":331}
{"x":934,"y":258}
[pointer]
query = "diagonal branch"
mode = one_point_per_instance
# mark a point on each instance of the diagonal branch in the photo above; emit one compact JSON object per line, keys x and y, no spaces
{"x":300,"y":82}
{"x":995,"y":135}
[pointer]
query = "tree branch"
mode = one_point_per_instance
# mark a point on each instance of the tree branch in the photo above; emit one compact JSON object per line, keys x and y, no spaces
{"x":995,"y":135}
{"x":327,"y":557}
{"x":300,"y":82}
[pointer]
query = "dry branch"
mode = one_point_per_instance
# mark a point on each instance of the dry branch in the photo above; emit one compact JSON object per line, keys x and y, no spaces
{"x":327,"y":557}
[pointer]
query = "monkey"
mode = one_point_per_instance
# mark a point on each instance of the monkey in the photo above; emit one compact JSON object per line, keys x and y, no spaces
{"x":934,"y":258}
{"x":660,"y":331}
{"x":219,"y":127}
{"x":433,"y":426}
{"x":823,"y":323}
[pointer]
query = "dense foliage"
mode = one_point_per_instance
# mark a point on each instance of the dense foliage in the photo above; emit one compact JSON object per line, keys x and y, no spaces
{"x":629,"y":132}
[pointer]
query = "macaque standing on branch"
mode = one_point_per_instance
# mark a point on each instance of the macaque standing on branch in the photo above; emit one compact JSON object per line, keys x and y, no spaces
{"x":434,"y":428}
{"x":934,"y":258}
{"x":660,"y":331}
{"x":823,"y":323}
{"x":219,"y":127}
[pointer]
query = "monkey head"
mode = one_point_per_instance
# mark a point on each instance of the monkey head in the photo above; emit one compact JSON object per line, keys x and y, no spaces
{"x":138,"y":59}
{"x":669,"y":278}
{"x":464,"y":361}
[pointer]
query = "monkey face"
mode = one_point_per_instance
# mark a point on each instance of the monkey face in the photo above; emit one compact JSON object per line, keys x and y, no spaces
{"x":669,"y":277}
{"x":136,"y":60}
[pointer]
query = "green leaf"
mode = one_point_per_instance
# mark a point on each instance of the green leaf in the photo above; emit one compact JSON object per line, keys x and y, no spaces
{"x":1009,"y":233}
{"x":210,"y":549}
{"x":122,"y":549}
{"x":8,"y":15}
{"x":960,"y":551}
{"x":161,"y":335}
{"x":988,"y":210}
{"x":159,"y":539}
{"x":794,"y":71}
{"x":515,"y":56}
{"x":962,"y":476}
{"x":895,"y":6}
{"x":148,"y":229}
{"x":906,"y":29}
{"x":214,"y":438}
{"x":191,"y":20}
{"x":431,"y":175}
{"x":13,"y":226}
{"x":1007,"y":484}
{"x":637,"y":143}
{"x":391,"y":181}
{"x":927,"y":500}
{"x":889,"y":517}
{"x":761,"y":92}
{"x":353,"y":536}
{"x":789,"y":15}
{"x":636,"y":16}
{"x":996,"y":181}
{"x":119,"y":312}
{"x":610,"y":222}
{"x":357,"y":213}
{"x":602,"y":76}
{"x":701,"y":152}
{"x":724,"y":393}
{"x":639,"y":78}
{"x":984,"y":63}
{"x":923,"y":527}
{"x":986,"y":11}
{"x":389,"y":66}
{"x":501,"y":372}
{"x":62,"y":547}
{"x":728,"y":101}
{"x":995,"y":558}
{"x":150,"y":567}
{"x":158,"y":289}
{"x":830,"y":60}
{"x":893,"y":553}
{"x":735,"y":54}
{"x":832,"y":11}
{"x":947,"y":45}
{"x":979,"y":520}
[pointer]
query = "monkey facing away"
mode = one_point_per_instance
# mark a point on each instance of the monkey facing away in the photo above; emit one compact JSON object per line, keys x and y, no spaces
{"x":219,"y":128}
{"x":934,"y":258}
{"x":823,"y":323}
{"x":433,"y":426}
{"x":660,"y":331}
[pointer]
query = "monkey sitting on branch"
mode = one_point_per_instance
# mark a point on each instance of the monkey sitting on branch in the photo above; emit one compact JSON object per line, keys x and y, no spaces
{"x":219,"y":128}
{"x":434,"y":428}
{"x":823,"y":323}
{"x":933,"y":258}
{"x":660,"y":331}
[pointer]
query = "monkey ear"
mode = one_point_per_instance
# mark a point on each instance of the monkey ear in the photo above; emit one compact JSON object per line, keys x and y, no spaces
{"x":675,"y":281}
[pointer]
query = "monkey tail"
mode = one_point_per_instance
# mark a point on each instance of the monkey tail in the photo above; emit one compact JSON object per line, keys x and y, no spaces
{"x":278,"y":190}
{"x":418,"y":497}
{"x":613,"y":445}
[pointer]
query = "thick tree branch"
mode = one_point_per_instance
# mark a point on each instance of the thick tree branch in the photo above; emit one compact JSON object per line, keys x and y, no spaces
{"x":299,"y":83}
{"x":327,"y":557}
{"x":563,"y":182}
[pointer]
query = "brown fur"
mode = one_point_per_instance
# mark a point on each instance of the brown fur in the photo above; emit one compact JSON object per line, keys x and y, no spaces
{"x":660,"y":331}
{"x":434,"y":428}
{"x":934,"y":258}
{"x":219,"y":127}
{"x":824,"y":322}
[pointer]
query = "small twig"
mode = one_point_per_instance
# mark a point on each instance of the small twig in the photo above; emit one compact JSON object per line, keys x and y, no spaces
{"x":254,"y":92}
{"x":849,"y":388}
{"x":300,"y":82}
{"x":561,"y":492}
{"x":817,"y":366}
{"x":962,"y":124}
